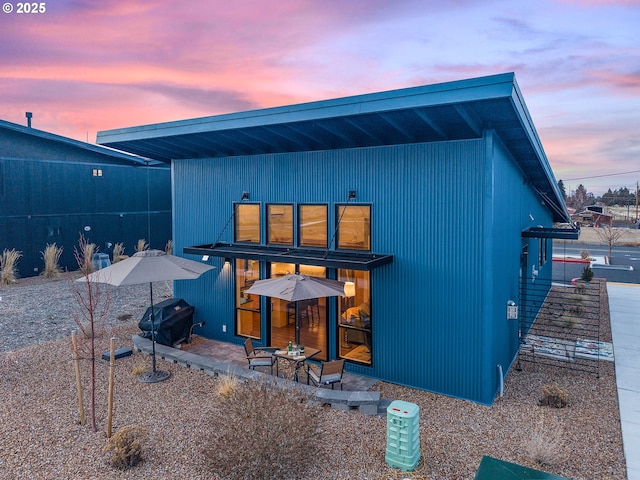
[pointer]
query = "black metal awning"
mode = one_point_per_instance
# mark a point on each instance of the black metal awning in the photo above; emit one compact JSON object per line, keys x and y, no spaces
{"x":549,"y":232}
{"x":323,"y":258}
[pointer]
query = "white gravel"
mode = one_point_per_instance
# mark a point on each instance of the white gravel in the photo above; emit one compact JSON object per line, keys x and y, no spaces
{"x":40,"y":437}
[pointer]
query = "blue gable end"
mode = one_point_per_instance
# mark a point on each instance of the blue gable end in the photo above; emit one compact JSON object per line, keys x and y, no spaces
{"x":448,"y":174}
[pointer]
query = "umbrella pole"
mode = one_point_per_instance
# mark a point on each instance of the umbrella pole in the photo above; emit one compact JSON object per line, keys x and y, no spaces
{"x":297,"y":325}
{"x":153,"y":331}
{"x":154,"y":376}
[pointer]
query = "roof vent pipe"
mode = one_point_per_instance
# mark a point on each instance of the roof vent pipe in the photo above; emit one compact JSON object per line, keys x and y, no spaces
{"x":29,"y":115}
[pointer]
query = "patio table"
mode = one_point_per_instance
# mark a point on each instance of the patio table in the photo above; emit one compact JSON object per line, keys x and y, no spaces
{"x":298,"y":359}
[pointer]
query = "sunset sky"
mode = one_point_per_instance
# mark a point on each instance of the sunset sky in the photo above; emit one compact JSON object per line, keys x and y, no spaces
{"x":83,"y":65}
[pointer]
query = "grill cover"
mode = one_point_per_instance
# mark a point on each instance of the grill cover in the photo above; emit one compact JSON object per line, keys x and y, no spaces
{"x":173,"y":320}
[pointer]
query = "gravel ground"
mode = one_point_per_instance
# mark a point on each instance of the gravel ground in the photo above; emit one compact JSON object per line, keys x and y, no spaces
{"x":40,"y":437}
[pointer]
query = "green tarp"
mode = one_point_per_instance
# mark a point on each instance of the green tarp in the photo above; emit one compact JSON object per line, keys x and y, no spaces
{"x":492,"y":468}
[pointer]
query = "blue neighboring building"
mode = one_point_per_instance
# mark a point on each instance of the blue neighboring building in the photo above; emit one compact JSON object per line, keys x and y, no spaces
{"x":54,"y":188}
{"x":433,"y":202}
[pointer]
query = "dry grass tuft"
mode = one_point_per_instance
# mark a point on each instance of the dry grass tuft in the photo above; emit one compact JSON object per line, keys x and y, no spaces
{"x":142,"y":245}
{"x":8,"y":263}
{"x":125,"y":447}
{"x":546,"y":444}
{"x":118,"y":252}
{"x":85,"y":260}
{"x":168,"y":248}
{"x":138,"y":369}
{"x":227,"y":385}
{"x":51,"y":257}
{"x":266,"y":432}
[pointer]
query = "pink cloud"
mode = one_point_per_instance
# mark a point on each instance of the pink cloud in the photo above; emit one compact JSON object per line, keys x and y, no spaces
{"x":88,"y":66}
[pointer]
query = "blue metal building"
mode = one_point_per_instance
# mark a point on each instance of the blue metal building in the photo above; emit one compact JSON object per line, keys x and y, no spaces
{"x":53,"y":188}
{"x":433,"y":202}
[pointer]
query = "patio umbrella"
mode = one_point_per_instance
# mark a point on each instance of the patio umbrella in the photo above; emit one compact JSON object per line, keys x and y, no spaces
{"x":296,"y":287}
{"x":149,"y":266}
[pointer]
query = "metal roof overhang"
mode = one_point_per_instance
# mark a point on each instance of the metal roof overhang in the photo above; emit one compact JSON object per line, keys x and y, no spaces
{"x":322,"y":258}
{"x":448,"y":111}
{"x":548,"y":232}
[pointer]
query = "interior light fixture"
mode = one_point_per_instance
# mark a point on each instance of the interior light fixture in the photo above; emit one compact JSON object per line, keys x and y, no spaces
{"x":349,"y":289}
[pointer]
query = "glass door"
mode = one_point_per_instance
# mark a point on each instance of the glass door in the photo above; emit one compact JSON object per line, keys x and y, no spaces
{"x":247,"y":305}
{"x":303,"y":322}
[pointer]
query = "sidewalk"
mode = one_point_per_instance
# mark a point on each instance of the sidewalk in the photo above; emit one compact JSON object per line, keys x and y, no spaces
{"x":624,"y":305}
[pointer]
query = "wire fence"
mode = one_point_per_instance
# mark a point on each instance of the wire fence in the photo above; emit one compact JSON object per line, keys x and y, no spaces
{"x":560,"y":324}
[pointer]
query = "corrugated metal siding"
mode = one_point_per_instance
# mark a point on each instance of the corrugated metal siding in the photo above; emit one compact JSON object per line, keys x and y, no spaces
{"x":428,"y":204}
{"x":41,"y":195}
{"x":513,"y":202}
{"x":450,"y":213}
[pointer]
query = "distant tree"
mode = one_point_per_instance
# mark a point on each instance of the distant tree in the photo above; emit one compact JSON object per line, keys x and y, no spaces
{"x":621,"y":197}
{"x":609,"y":236}
{"x":608,"y":198}
{"x":562,"y":189}
{"x":581,"y":198}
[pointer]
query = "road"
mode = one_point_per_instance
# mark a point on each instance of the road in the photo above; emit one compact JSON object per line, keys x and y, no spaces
{"x":621,"y":258}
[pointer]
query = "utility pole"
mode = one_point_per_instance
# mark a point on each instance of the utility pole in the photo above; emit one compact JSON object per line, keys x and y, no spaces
{"x":637,"y":218}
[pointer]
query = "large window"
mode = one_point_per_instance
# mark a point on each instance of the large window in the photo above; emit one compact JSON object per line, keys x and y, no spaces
{"x":354,"y":325}
{"x":247,"y":223}
{"x":354,"y":230}
{"x":307,"y":321}
{"x":313,"y":225}
{"x":280,"y":224}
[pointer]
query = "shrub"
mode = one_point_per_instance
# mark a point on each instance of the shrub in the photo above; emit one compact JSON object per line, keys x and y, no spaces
{"x":124,"y":449}
{"x":263,"y":431}
{"x":8,"y":262}
{"x":142,"y":245}
{"x":584,"y":254}
{"x":168,"y":248}
{"x":587,"y":274}
{"x":51,"y":257}
{"x":554,"y":396}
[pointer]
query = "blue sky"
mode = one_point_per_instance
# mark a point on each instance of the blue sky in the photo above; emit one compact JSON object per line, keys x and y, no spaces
{"x":84,"y":66}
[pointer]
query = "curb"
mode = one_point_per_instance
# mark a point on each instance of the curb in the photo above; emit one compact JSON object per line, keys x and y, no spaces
{"x":368,"y":403}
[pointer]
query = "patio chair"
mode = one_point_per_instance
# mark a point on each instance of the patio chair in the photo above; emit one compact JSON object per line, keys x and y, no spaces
{"x":258,"y":358}
{"x":327,"y":373}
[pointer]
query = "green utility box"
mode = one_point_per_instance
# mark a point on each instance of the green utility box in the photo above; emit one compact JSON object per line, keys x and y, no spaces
{"x":403,"y":435}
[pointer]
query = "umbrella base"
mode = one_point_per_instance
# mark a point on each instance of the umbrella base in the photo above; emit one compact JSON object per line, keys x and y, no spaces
{"x":154,"y":377}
